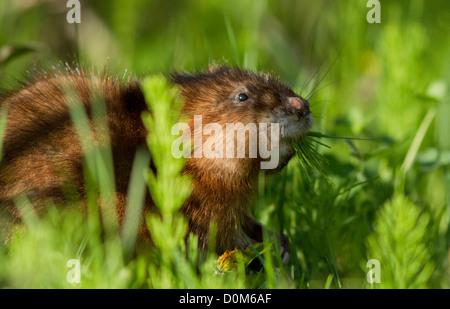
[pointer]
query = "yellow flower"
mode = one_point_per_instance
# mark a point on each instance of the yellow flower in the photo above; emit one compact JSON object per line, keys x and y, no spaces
{"x":228,"y":260}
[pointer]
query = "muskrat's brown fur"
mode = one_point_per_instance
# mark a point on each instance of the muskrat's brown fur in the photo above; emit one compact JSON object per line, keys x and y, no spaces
{"x":43,"y":159}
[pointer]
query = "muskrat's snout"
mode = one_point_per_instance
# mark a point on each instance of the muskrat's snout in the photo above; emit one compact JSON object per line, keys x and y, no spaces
{"x":297,"y":120}
{"x":299,"y":106}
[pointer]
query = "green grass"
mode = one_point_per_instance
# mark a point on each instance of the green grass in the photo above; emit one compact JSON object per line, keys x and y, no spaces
{"x":382,"y":193}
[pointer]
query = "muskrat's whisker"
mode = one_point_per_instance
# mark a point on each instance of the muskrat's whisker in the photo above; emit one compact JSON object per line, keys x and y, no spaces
{"x":323,"y":77}
{"x":317,"y":115}
{"x":311,"y":77}
{"x":327,"y":85}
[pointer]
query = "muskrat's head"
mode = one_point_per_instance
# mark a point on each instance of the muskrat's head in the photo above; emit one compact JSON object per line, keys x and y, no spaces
{"x":244,"y":102}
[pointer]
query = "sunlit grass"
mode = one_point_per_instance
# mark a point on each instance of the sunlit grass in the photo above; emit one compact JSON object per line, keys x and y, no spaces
{"x":384,"y":196}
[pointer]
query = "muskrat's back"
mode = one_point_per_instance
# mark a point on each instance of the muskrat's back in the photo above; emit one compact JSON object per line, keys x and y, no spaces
{"x":43,"y":157}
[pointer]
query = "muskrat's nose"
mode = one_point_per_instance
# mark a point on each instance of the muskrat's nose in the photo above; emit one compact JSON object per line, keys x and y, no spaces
{"x":299,"y":106}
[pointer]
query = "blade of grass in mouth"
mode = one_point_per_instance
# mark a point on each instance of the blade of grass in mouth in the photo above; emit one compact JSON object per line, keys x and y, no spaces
{"x":307,"y":150}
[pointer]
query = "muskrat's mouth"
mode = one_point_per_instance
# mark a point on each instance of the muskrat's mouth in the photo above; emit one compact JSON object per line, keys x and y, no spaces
{"x":299,"y":137}
{"x":292,"y":131}
{"x":297,"y":129}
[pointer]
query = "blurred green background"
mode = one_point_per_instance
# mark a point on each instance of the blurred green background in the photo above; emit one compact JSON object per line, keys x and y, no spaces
{"x":387,"y":198}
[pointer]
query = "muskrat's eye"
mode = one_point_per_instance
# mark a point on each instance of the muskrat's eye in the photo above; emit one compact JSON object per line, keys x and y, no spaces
{"x":242,"y":97}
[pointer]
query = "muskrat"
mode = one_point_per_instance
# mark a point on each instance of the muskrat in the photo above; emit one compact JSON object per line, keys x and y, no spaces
{"x":42,"y":155}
